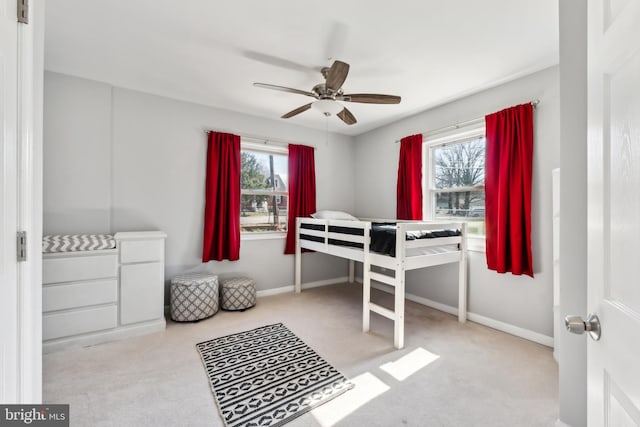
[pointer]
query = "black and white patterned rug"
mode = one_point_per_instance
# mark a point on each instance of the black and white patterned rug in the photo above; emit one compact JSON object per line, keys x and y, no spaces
{"x":268,"y":376}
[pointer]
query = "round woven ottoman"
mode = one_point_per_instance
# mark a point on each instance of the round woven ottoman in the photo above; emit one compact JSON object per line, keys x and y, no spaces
{"x":238,"y":293}
{"x":194,"y":297}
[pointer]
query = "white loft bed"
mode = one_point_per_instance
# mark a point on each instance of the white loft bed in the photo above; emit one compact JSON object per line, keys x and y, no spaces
{"x":409,"y":255}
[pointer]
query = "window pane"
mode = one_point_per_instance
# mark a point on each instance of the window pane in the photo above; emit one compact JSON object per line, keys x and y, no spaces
{"x":257,"y":171}
{"x":467,"y":205}
{"x":260,"y":214}
{"x":460,"y":164}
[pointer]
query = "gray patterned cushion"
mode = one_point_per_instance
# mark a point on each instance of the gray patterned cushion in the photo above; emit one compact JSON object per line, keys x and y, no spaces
{"x":194,"y":297}
{"x":238,"y":293}
{"x":77,"y":242}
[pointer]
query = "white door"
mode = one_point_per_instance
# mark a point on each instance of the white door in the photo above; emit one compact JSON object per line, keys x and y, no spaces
{"x":613,"y":394}
{"x":9,"y":345}
{"x":21,"y":54}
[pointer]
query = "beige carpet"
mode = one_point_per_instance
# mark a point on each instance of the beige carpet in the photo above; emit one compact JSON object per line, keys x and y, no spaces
{"x":448,"y":374}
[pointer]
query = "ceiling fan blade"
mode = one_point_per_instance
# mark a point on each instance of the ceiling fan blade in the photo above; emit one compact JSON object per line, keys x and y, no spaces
{"x":279,"y":62}
{"x":370,"y":98}
{"x":284,"y":89}
{"x":297,"y":111}
{"x":346,"y":116}
{"x":337,"y":75}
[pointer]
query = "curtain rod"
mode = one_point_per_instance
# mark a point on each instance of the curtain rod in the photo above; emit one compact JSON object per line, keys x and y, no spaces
{"x":458,"y":125}
{"x":255,"y":138}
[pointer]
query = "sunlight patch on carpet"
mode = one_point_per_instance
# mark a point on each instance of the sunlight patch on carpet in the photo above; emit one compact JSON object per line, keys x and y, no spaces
{"x":409,"y":364}
{"x":368,"y":387}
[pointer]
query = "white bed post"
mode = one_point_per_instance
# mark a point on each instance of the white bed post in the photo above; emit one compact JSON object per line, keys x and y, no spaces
{"x":398,"y":308}
{"x":298,"y":260}
{"x":352,"y":271}
{"x":366,"y":279}
{"x":462,"y":278}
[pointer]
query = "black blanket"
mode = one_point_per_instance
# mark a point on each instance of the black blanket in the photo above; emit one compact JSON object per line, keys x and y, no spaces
{"x":383,"y":237}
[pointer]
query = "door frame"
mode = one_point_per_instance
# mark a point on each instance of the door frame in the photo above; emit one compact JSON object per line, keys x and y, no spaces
{"x":572,"y":356}
{"x":29,"y":153}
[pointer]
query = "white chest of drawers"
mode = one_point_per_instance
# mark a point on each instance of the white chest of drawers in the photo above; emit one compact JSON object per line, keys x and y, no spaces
{"x":90,"y":297}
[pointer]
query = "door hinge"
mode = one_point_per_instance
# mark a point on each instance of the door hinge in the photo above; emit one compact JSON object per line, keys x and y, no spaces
{"x":21,"y":243}
{"x":23,"y":11}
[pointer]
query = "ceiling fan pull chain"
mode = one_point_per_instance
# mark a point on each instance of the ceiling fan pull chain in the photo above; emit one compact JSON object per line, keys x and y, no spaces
{"x":326,"y":118}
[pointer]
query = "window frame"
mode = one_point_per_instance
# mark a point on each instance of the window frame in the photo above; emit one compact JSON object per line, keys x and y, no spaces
{"x":262,"y":147}
{"x":458,"y":135}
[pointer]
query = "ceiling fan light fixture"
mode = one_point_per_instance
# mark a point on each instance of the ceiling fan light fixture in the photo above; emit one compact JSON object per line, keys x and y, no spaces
{"x":327,"y":106}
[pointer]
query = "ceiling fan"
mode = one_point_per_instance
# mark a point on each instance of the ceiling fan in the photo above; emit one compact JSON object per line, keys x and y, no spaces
{"x":327,"y":93}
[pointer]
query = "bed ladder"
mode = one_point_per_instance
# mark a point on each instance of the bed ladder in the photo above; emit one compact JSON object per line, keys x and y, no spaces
{"x":397,"y":282}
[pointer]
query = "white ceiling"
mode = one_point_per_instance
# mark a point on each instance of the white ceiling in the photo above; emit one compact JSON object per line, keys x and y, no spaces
{"x":210,"y":52}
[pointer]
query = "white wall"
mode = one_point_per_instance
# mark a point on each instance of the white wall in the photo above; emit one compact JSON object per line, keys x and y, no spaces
{"x":77,"y":152}
{"x":514,"y":300}
{"x":120,"y":160}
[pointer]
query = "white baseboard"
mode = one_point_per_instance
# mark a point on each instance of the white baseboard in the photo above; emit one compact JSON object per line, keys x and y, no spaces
{"x":561,"y":424}
{"x":275,"y":291}
{"x":511,"y":329}
{"x":433,"y":304}
{"x":477,"y":318}
{"x":309,"y":285}
{"x":286,"y":289}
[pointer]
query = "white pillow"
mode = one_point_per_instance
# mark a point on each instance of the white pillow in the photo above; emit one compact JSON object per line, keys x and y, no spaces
{"x":327,"y":214}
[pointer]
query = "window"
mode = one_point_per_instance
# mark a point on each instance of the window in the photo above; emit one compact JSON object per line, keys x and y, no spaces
{"x":456,"y":177}
{"x":264,"y":191}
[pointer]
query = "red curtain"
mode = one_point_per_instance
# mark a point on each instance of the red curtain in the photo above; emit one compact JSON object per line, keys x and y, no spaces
{"x":221,"y":238}
{"x":409,"y":189}
{"x":302,"y":189}
{"x":508,"y":189}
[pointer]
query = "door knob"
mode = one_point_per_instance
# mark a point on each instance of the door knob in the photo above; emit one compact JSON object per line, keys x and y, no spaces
{"x":576,"y":325}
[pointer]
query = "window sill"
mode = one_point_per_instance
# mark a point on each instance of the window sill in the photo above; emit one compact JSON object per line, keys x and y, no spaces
{"x":262,"y":236}
{"x":476,"y":243}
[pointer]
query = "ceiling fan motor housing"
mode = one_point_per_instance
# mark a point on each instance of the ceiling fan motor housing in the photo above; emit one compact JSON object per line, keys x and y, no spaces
{"x":322,"y":92}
